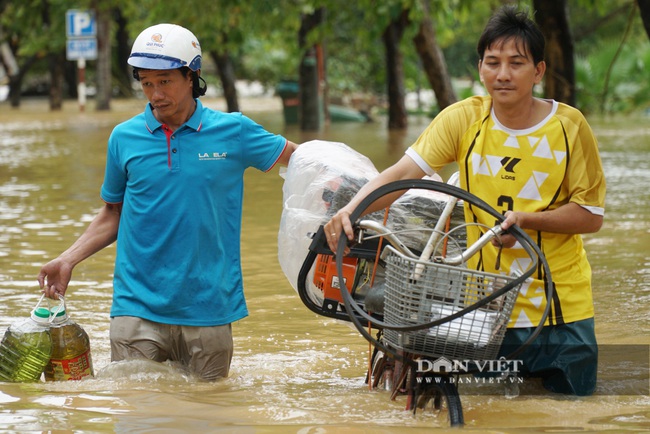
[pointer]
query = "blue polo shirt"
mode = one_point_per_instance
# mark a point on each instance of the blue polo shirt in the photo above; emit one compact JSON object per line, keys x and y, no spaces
{"x":178,"y":244}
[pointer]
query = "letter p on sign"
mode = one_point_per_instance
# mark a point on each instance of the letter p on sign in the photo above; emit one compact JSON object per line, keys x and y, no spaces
{"x":80,"y":24}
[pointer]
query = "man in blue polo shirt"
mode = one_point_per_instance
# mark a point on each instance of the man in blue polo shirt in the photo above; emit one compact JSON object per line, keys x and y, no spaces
{"x":173,"y":190}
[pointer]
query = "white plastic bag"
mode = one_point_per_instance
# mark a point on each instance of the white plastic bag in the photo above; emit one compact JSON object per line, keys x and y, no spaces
{"x":321,"y":178}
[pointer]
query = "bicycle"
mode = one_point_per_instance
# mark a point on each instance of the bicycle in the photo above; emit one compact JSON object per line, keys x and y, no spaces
{"x":434,"y":306}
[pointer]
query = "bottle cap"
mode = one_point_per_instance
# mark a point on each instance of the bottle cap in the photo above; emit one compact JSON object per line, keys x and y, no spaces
{"x":59,"y":314}
{"x":41,"y":315}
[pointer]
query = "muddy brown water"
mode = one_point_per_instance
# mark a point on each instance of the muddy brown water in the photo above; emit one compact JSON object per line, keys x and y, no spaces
{"x":293,"y":371}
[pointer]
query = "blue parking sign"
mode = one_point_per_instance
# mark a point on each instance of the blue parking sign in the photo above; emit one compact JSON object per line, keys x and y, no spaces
{"x":80,"y":24}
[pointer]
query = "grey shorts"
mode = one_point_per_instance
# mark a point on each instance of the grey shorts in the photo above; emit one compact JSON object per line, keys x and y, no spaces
{"x":204,"y":351}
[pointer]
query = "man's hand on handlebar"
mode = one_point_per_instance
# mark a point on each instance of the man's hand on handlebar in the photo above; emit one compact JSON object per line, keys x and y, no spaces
{"x":506,"y":240}
{"x":338,"y":223}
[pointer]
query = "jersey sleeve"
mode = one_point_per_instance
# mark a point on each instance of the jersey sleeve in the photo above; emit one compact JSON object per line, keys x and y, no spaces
{"x":585,"y":174}
{"x":444,"y":139}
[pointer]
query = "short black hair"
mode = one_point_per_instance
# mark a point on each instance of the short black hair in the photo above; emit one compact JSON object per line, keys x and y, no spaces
{"x":509,"y":23}
{"x":199,"y":86}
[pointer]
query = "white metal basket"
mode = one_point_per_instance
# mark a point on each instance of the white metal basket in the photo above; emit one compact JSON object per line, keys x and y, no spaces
{"x":440,"y":291}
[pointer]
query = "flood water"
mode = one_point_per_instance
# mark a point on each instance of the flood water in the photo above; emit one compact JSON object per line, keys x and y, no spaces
{"x":293,"y":371}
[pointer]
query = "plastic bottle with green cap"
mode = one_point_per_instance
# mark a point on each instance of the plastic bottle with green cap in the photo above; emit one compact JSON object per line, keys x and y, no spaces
{"x":71,"y":358}
{"x":26,"y":348}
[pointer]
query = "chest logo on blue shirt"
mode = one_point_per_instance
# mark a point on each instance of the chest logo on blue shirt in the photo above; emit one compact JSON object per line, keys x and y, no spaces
{"x":206,"y":156}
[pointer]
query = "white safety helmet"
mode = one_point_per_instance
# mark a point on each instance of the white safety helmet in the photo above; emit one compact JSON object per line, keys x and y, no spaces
{"x":166,"y":46}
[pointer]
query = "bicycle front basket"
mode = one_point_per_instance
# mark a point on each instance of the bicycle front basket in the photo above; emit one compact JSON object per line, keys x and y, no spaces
{"x":440,"y":291}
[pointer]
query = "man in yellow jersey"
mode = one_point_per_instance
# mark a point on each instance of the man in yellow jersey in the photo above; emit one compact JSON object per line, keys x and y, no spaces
{"x":537,"y":161}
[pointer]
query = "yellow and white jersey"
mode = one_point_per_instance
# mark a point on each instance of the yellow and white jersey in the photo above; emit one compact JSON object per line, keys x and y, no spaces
{"x":532,"y":170}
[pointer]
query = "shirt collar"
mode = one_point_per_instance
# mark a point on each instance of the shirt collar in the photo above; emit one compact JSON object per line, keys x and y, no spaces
{"x":193,"y":122}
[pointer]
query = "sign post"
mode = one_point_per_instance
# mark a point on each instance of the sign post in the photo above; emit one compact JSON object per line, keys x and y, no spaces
{"x":81,"y":45}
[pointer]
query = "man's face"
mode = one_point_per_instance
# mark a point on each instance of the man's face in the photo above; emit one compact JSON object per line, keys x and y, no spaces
{"x":168,"y":91}
{"x":508,"y":72}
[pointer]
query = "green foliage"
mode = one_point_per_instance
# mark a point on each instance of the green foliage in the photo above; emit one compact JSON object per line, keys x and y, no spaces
{"x":355,"y":53}
{"x":266,"y":61}
{"x":262,"y":39}
{"x":612,"y":72}
{"x":34,"y":27}
{"x":628,"y":85}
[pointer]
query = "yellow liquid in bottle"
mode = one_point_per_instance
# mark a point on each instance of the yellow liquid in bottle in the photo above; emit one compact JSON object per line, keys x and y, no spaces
{"x":23,"y":355}
{"x":71,"y":358}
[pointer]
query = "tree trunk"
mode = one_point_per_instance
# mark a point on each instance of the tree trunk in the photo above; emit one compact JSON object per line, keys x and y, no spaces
{"x":310,"y":106}
{"x":16,"y":81}
{"x":70,"y":78}
{"x":397,"y":115}
{"x":104,"y":77}
{"x":644,"y":7}
{"x":227,"y":75}
{"x":56,"y":62}
{"x":53,"y":63}
{"x":552,"y":18}
{"x":433,"y":61}
{"x":15,"y":85}
{"x":122,"y":71}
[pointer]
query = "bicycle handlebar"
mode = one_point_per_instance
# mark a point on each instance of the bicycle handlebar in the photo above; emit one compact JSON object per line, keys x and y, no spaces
{"x":474,"y":248}
{"x":387,"y":234}
{"x":535,"y":253}
{"x":402,"y":248}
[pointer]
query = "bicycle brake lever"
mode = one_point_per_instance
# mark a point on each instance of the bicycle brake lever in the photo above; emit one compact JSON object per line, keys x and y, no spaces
{"x":358,"y":235}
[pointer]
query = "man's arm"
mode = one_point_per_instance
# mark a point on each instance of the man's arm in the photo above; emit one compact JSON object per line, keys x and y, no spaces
{"x":567,"y":219}
{"x":101,"y":232}
{"x":289,"y":148}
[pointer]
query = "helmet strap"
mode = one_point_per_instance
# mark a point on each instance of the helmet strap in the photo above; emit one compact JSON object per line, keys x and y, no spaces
{"x":203,"y":86}
{"x":199,"y":86}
